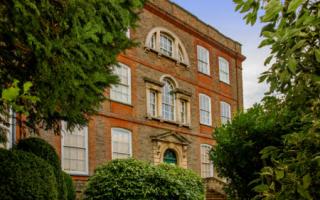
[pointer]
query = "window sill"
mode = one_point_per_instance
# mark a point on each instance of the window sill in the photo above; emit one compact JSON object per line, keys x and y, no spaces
{"x":119,"y":102}
{"x":84,"y":174}
{"x":166,"y":56}
{"x":168,"y":121}
{"x":208,"y":75}
{"x":208,"y":125}
{"x":225,"y":83}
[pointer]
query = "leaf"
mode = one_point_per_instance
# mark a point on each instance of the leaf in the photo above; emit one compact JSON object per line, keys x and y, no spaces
{"x":272,"y":9}
{"x":303,"y":192}
{"x":10,"y":94}
{"x":268,"y":60}
{"x":261,"y":188}
{"x":306,"y":181}
{"x":279,"y":174}
{"x":292,"y":64}
{"x":265,"y":42}
{"x":317,"y":54}
{"x":27,"y":86}
{"x":294,"y":4}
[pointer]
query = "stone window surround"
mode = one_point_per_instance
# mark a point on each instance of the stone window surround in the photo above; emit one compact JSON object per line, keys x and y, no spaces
{"x":177,"y":45}
{"x":180,"y":94}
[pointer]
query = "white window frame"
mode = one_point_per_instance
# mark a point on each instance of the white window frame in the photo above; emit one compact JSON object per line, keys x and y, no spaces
{"x":201,"y":109}
{"x":173,"y":102}
{"x":224,"y":70}
{"x":128,"y":32}
{"x":225,"y":112}
{"x":150,"y":109}
{"x":9,"y":134}
{"x":114,"y":129}
{"x":178,"y":51}
{"x":113,"y":89}
{"x":184,"y":112}
{"x":202,"y":148}
{"x":63,"y":133}
{"x":203,"y":58}
{"x":169,"y":42}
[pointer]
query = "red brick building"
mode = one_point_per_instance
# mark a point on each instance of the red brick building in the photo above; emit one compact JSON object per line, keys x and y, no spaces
{"x":183,"y":80}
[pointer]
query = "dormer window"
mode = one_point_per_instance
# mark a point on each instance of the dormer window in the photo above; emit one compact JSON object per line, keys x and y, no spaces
{"x":167,"y":44}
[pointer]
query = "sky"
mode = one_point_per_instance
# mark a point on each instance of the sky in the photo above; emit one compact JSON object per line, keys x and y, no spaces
{"x":221,"y":15}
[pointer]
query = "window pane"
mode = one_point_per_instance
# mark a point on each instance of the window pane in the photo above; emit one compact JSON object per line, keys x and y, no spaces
{"x":121,"y":143}
{"x":122,"y":91}
{"x":206,"y":163}
{"x":74,"y":150}
{"x":166,"y":45}
{"x":167,"y":101}
{"x":203,"y":60}
{"x":225,"y":112}
{"x":224,"y":70}
{"x":183,"y":111}
{"x":153,"y":103}
{"x":205,"y":110}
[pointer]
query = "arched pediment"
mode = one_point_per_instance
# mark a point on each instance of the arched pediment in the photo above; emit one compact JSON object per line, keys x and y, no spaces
{"x":160,"y":37}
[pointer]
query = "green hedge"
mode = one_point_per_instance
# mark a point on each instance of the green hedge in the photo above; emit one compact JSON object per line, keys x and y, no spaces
{"x":24,"y":176}
{"x":44,"y":150}
{"x":71,"y":193}
{"x":131,"y":179}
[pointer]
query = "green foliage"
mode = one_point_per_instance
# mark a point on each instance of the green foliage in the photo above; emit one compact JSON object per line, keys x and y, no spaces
{"x":62,"y":52}
{"x":71,"y":193}
{"x":294,"y":169}
{"x":25,"y":176}
{"x":237,"y":156}
{"x":289,"y":168}
{"x":178,"y":183}
{"x":132,"y":179}
{"x":292,"y":31}
{"x":44,"y":150}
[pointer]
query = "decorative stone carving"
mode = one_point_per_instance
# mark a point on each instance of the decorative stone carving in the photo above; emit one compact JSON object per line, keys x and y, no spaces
{"x":170,"y":140}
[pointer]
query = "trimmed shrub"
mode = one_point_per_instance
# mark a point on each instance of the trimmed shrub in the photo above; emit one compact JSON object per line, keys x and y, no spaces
{"x":179,"y":183}
{"x":120,"y":179}
{"x":133,"y":179}
{"x":44,"y":150}
{"x":71,"y":193}
{"x":25,"y":176}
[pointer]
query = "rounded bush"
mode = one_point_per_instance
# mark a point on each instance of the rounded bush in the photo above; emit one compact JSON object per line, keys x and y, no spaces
{"x":25,"y":176}
{"x":44,"y":150}
{"x":133,"y":179}
{"x":71,"y":193}
{"x":179,"y":183}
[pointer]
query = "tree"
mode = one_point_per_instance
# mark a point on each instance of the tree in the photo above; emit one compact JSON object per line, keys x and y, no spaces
{"x":288,"y":169}
{"x":237,"y":155}
{"x":61,"y":53}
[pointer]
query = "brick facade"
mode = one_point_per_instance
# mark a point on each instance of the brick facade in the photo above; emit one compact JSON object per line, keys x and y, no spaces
{"x":146,"y":63}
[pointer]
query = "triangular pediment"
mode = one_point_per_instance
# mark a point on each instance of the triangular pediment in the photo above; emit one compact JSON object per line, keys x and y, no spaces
{"x":171,"y":137}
